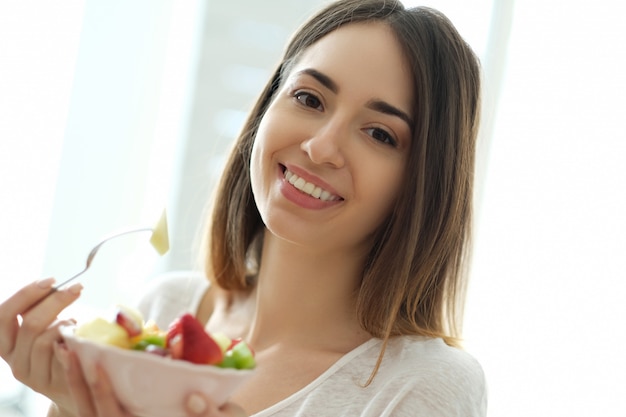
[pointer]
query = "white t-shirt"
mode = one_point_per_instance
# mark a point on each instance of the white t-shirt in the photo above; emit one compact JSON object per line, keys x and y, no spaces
{"x":419,"y":376}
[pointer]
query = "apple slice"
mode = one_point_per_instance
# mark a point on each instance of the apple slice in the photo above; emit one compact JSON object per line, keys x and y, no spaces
{"x":130,"y":319}
{"x":160,"y":236}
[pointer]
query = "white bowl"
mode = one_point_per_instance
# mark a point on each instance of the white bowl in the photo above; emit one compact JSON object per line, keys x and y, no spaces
{"x":149,"y":385}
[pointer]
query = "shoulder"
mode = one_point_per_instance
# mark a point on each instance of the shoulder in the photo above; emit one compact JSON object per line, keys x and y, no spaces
{"x":170,"y":295}
{"x":433,"y":376}
{"x":417,"y":377}
{"x":433,"y":355}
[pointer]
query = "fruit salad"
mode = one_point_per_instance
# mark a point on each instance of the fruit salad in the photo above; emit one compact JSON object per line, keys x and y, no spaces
{"x":185,"y":339}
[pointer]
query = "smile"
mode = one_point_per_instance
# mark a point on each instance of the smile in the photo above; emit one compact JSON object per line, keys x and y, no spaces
{"x":309,"y":188}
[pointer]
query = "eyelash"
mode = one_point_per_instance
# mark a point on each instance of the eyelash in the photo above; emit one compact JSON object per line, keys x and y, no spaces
{"x":387,"y":137}
{"x":303,"y":98}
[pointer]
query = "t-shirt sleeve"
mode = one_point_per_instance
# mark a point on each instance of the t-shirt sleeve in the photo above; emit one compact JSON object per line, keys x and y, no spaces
{"x":171,"y":295}
{"x":451,"y":389}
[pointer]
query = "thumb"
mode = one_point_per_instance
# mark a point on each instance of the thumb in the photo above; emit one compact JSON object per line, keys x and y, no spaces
{"x":197,"y":405}
{"x":232,"y":410}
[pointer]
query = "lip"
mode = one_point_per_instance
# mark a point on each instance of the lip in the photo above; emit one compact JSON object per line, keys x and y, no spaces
{"x":308,"y":177}
{"x":302,"y":199}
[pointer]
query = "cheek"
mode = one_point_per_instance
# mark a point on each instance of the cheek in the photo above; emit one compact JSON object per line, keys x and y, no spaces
{"x":261,"y":168}
{"x":255,"y":169}
{"x":381,"y":189}
{"x":259,"y":149}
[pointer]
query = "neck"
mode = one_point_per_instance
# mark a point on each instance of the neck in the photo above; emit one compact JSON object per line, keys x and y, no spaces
{"x":306,"y":298}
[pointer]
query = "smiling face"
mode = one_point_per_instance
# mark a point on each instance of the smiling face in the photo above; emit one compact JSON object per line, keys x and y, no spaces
{"x":330,"y":152}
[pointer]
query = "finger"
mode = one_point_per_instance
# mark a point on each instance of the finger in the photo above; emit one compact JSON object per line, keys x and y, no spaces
{"x":232,"y":410}
{"x":26,"y":296}
{"x":78,"y":387}
{"x":15,"y":305}
{"x":104,"y":397}
{"x":198,"y":405}
{"x":58,"y":375}
{"x":42,"y":359}
{"x":37,"y":320}
{"x":45,"y":312}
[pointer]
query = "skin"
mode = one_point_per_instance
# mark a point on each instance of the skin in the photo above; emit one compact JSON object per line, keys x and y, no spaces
{"x":28,"y":346}
{"x":30,"y":342}
{"x":338,"y":122}
{"x":324,"y":126}
{"x":338,"y":139}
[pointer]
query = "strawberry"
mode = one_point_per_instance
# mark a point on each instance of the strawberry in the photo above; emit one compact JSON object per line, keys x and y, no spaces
{"x":187,"y":340}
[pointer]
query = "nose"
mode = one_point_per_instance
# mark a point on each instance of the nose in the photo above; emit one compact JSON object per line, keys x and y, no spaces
{"x":325,"y":146}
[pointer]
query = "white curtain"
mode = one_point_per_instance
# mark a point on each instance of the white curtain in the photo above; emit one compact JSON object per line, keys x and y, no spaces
{"x":546,"y":306}
{"x":93,"y":97}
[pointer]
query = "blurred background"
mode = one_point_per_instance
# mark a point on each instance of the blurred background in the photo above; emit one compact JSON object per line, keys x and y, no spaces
{"x":111,"y":111}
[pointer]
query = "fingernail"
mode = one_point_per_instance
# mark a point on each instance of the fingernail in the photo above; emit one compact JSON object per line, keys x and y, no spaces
{"x":196,"y":404}
{"x":75,"y":289}
{"x":46,"y":283}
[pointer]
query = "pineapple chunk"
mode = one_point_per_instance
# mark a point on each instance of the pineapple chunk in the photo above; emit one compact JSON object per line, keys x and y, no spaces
{"x":160,"y":235}
{"x":103,"y":331}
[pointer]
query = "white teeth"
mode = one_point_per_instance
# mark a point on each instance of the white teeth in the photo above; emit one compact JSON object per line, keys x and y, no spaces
{"x":308,"y":187}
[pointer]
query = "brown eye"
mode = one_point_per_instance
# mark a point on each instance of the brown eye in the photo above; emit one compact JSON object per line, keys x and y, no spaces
{"x":381,"y":135}
{"x":308,"y":100}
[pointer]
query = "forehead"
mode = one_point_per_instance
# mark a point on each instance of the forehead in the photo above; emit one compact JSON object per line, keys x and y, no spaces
{"x":364,"y":59}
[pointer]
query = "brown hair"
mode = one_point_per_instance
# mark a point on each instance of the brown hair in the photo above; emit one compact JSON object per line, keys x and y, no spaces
{"x":414,"y":278}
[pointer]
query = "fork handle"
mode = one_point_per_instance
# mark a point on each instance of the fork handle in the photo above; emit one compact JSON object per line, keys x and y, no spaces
{"x":54,"y":289}
{"x":58,"y":286}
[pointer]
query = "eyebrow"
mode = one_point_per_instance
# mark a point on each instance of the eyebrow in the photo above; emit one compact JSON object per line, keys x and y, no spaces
{"x":386,"y":108}
{"x":324,"y":79}
{"x":376,"y":104}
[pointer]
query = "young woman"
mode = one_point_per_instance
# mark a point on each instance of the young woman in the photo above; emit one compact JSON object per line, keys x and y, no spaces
{"x":338,"y":239}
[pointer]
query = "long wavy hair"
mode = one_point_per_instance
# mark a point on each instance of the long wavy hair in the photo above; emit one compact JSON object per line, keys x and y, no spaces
{"x":414,"y":279}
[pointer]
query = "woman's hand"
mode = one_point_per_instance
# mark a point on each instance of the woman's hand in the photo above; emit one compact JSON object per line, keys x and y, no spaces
{"x":200,"y":406}
{"x":28,"y":331}
{"x":93,"y":395}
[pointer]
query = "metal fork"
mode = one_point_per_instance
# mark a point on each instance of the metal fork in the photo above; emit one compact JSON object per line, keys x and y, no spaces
{"x":93,"y":252}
